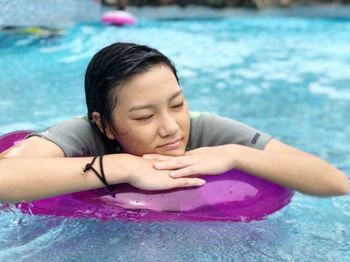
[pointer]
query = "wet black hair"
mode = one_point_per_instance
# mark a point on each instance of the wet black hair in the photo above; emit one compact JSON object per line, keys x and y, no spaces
{"x":107,"y":71}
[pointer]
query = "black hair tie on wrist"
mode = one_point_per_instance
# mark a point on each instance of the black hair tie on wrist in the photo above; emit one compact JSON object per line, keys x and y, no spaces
{"x":102,"y":177}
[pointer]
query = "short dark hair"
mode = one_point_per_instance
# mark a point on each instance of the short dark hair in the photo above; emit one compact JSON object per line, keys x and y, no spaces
{"x":108,"y":70}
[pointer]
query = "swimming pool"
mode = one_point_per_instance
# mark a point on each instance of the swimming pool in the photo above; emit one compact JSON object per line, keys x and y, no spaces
{"x":286,"y":76}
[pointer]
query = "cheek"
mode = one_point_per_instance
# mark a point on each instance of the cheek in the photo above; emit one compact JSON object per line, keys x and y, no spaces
{"x":137,"y":137}
{"x":184,"y":122}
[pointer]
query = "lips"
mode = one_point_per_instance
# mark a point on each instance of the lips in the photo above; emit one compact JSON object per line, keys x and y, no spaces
{"x":174,"y":143}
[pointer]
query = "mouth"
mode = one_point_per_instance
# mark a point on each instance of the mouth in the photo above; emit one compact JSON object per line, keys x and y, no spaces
{"x":172,"y":144}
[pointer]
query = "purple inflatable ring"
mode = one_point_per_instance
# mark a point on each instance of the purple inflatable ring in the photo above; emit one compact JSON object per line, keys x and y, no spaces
{"x":232,"y":196}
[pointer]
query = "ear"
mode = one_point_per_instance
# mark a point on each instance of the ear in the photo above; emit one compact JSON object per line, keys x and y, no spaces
{"x":96,"y":117}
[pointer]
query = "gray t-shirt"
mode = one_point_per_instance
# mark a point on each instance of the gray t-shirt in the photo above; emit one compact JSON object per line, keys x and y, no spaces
{"x":77,"y":138}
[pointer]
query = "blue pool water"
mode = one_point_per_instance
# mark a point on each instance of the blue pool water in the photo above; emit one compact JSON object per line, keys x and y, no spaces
{"x":286,"y":76}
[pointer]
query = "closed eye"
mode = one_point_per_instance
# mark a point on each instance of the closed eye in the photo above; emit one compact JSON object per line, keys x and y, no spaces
{"x":144,"y":118}
{"x":178,"y":105}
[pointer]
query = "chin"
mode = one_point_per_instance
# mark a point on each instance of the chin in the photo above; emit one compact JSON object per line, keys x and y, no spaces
{"x":174,"y":152}
{"x":179,"y":153}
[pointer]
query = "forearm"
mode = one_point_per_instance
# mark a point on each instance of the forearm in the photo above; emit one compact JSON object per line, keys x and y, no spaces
{"x":301,"y":172}
{"x":27,"y":178}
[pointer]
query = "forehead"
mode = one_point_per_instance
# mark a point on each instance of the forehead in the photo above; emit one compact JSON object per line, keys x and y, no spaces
{"x":155,"y":85}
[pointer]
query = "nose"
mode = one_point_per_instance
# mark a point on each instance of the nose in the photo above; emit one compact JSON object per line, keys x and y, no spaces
{"x":168,"y":126}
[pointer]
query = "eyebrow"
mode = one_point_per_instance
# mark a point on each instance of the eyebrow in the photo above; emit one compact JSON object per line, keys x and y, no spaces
{"x":141,"y":107}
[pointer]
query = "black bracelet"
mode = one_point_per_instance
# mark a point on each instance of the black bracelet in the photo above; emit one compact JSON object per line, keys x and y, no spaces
{"x":101,"y":176}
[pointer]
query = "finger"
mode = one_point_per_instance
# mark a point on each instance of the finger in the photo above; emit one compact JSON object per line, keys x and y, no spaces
{"x":183,"y":172}
{"x":189,"y":182}
{"x":174,"y":163}
{"x":199,"y":151}
{"x":157,"y":157}
{"x":194,"y":151}
{"x":189,"y":153}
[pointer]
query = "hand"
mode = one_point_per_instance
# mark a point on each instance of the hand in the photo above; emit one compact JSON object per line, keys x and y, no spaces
{"x":144,"y":176}
{"x":201,"y":161}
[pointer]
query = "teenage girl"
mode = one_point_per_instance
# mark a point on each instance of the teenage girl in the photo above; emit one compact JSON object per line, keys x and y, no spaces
{"x":138,"y":130}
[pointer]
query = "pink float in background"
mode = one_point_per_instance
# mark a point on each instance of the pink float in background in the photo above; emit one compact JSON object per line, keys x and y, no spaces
{"x":118,"y":18}
{"x":232,"y":196}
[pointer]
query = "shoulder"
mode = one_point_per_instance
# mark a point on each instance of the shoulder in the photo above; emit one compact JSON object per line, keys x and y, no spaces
{"x":77,"y":126}
{"x":212,"y":130}
{"x":75,"y":137}
{"x":73,"y":123}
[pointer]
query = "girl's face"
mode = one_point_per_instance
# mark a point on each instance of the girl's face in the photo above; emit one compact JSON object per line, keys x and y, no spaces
{"x":151,"y":115}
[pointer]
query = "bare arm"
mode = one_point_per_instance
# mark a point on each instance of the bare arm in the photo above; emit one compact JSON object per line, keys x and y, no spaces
{"x":293,"y":168}
{"x":278,"y":163}
{"x":37,"y":169}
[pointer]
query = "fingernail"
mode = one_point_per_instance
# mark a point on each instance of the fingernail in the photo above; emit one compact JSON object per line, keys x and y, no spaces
{"x":157,"y":165}
{"x":201,"y":182}
{"x":172,"y":174}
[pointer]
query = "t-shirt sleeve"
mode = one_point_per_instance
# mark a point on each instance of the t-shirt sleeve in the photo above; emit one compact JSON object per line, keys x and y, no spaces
{"x":75,"y":137}
{"x":214,"y":130}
